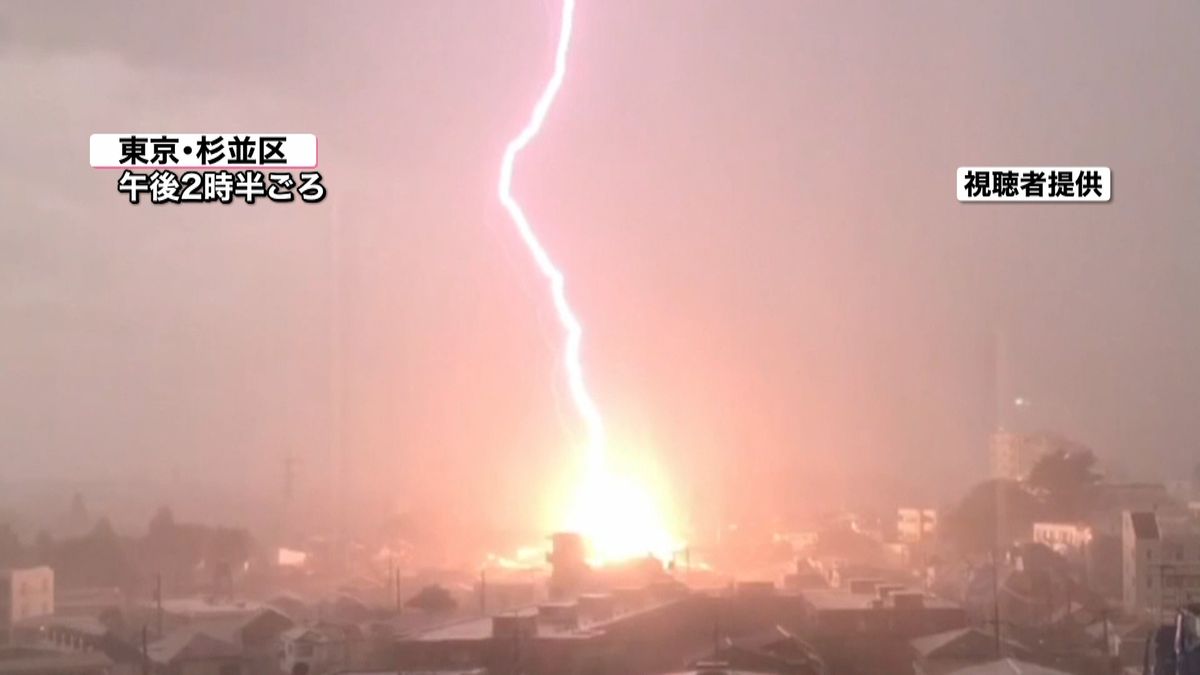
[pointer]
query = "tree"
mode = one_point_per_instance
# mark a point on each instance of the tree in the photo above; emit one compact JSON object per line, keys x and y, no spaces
{"x":162,"y":524}
{"x":433,"y":599}
{"x":177,"y":549}
{"x":994,"y":511}
{"x":98,"y":558}
{"x":103,"y":530}
{"x":1071,"y":467}
{"x":1068,"y":477}
{"x":79,"y":512}
{"x":228,"y":545}
{"x":11,"y":551}
{"x":43,"y":547}
{"x":77,"y":519}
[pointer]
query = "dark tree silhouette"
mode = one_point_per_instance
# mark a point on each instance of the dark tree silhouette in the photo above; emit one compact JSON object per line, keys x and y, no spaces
{"x":993,"y":511}
{"x":843,"y":542}
{"x":43,"y":547}
{"x":1067,"y":468}
{"x":98,"y":558}
{"x":163,"y":523}
{"x":1068,"y":478}
{"x":176,"y":550}
{"x":79,"y":512}
{"x":432,"y":599}
{"x":12,"y":553}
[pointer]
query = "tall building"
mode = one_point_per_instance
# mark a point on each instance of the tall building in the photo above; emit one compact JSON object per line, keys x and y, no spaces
{"x":1160,"y":563}
{"x":568,"y":561}
{"x":1014,"y":455}
{"x":24,"y":593}
{"x":915,"y":524}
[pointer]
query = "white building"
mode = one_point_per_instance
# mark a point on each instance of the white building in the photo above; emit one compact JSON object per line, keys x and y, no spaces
{"x":1068,"y":539}
{"x":24,"y":594}
{"x":1160,"y":563}
{"x":914,"y":525}
{"x":323,"y":648}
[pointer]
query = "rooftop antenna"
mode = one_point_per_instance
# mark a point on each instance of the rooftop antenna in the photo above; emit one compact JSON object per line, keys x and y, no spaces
{"x":1000,"y":366}
{"x":337,"y":371}
{"x":290,"y":463}
{"x":483,"y":591}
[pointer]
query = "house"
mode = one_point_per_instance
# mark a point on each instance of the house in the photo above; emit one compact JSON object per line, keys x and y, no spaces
{"x":952,"y":650}
{"x":291,"y":606}
{"x":252,"y":631}
{"x":1126,"y":640}
{"x":249,"y":640}
{"x":901,"y":614}
{"x":37,"y":661}
{"x":188,"y":652}
{"x":200,"y":608}
{"x":1161,"y":563}
{"x":77,"y":635}
{"x":472,"y":671}
{"x":92,"y":601}
{"x":323,"y":648}
{"x":772,"y":651}
{"x":24,"y":593}
{"x":1007,"y":667}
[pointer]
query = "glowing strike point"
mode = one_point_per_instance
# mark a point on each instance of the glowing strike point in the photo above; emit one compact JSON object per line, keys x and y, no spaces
{"x":617,"y":516}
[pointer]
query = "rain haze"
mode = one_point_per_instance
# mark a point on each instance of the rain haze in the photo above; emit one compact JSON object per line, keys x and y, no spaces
{"x":785,"y":308}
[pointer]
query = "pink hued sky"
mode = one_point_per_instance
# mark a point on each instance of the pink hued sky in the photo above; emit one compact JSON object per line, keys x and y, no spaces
{"x":753,"y":203}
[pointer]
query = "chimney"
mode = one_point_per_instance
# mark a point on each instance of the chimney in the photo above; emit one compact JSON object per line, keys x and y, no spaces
{"x":517,"y":626}
{"x":908,"y":601}
{"x":562,"y":615}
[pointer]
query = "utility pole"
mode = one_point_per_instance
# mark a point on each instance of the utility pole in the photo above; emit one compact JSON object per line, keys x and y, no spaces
{"x":391,"y":578}
{"x":1104,"y":618}
{"x":996,"y":600}
{"x":158,"y":608}
{"x":482,"y":592}
{"x":1000,"y":515}
{"x":145,"y":652}
{"x":289,"y":475}
{"x":716,"y":637}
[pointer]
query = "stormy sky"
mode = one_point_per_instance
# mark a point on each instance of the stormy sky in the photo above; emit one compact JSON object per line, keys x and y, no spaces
{"x":753,"y":202}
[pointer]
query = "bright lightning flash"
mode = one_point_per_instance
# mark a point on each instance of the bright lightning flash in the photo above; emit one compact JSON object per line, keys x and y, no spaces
{"x":615,"y":514}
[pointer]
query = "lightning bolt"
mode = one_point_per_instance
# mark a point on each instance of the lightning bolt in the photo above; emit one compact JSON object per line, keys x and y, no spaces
{"x":617,"y":514}
{"x":572,"y":360}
